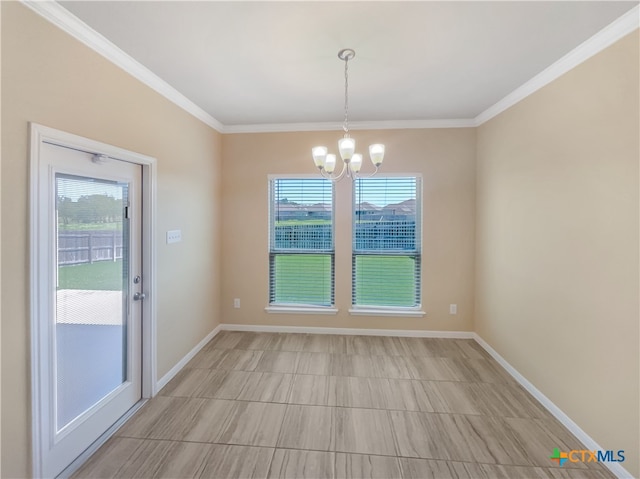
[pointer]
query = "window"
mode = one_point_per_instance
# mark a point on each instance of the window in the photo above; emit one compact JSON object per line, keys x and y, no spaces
{"x":386,"y":242}
{"x":301,"y":251}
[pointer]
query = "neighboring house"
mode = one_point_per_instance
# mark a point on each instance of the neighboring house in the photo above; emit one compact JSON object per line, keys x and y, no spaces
{"x":403,"y":211}
{"x":287,"y":210}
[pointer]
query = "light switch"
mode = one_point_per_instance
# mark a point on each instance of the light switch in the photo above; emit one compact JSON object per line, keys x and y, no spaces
{"x":174,"y":236}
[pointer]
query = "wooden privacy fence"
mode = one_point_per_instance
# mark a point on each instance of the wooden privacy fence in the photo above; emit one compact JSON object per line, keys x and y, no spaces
{"x":389,"y":235}
{"x":78,"y":247}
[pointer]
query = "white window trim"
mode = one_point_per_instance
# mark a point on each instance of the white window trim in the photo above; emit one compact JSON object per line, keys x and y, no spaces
{"x":391,"y":312}
{"x":278,"y":309}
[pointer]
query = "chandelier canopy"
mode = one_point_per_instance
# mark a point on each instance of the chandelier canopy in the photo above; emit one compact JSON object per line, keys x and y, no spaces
{"x":351,"y":161}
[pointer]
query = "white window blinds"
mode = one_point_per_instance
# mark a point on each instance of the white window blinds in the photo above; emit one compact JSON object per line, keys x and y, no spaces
{"x":301,"y":247}
{"x":386,"y":242}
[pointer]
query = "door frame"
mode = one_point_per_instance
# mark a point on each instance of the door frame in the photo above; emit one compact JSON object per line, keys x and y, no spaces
{"x":38,"y":251}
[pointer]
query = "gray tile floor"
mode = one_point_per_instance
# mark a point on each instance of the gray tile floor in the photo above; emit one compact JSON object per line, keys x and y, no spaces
{"x":261,"y":405}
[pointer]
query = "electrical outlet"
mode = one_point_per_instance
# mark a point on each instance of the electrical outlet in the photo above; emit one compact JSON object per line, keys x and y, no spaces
{"x":236,"y":303}
{"x":453,"y":309}
{"x":174,"y":236}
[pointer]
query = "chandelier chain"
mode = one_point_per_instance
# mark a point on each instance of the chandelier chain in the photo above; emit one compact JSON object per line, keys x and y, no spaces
{"x":345,"y":126}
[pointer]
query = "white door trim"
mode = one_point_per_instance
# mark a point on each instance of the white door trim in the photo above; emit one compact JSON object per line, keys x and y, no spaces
{"x":38,"y":135}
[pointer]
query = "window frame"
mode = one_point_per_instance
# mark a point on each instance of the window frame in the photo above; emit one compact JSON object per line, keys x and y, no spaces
{"x":386,"y":310}
{"x":297,"y":308}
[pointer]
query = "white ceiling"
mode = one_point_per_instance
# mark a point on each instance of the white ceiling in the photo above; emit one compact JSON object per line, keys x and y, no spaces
{"x":257,"y":63}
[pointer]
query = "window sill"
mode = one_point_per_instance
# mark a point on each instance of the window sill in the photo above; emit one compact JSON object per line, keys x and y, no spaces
{"x":387,"y":312}
{"x":300,"y":310}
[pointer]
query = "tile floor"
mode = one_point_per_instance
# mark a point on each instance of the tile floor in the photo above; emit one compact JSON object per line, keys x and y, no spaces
{"x":261,"y":405}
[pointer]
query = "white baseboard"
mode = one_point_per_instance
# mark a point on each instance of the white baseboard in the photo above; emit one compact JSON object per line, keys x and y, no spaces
{"x":566,"y":421}
{"x":349,"y":331}
{"x":162,"y":382}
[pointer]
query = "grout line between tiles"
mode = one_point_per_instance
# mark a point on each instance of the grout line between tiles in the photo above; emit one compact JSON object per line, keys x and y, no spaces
{"x":393,"y":434}
{"x":284,"y":417}
{"x":356,"y":407}
{"x":334,"y":451}
{"x":450,"y":380}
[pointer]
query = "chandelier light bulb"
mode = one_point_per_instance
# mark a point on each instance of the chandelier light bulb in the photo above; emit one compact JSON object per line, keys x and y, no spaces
{"x":346,"y":147}
{"x":319,"y":154}
{"x":376,"y":152}
{"x":330,"y":163}
{"x":356,"y":162}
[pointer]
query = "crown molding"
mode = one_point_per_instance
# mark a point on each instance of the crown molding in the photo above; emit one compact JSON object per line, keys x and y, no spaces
{"x":353,"y":125}
{"x":606,"y":37}
{"x":66,"y":21}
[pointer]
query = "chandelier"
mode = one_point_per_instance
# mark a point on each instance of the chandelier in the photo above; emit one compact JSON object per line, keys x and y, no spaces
{"x":351,"y":161}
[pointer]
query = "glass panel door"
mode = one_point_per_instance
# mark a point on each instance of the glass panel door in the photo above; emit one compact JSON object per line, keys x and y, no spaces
{"x":87,"y":297}
{"x":92,"y":285}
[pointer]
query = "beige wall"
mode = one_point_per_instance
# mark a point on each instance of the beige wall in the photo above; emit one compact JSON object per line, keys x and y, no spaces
{"x":50,"y":78}
{"x":557,"y":243}
{"x":446,"y":159}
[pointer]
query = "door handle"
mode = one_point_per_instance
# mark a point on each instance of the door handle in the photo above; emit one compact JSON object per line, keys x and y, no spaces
{"x":139,"y":296}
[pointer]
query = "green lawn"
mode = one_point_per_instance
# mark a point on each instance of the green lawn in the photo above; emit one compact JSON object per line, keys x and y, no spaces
{"x":385,"y":281}
{"x":303,"y":279}
{"x":103,"y":275}
{"x":306,"y":278}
